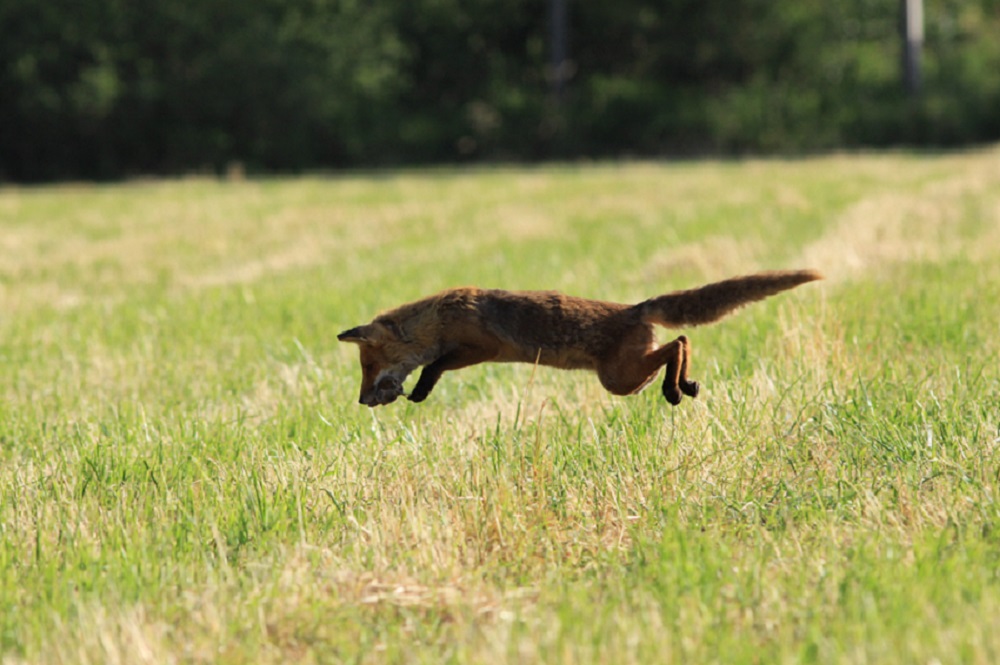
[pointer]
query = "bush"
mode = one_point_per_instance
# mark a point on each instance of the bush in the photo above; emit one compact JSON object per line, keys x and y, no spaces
{"x":111,"y":89}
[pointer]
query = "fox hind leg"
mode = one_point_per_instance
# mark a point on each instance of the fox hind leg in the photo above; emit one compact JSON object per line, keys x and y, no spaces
{"x":674,"y":366}
{"x":636,"y":364}
{"x":675,"y":381}
{"x":688,"y":387}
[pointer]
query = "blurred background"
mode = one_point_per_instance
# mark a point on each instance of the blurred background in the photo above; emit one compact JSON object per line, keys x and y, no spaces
{"x":118,"y":88}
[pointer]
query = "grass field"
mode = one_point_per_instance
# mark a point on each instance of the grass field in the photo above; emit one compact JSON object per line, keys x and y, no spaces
{"x":186,"y":475}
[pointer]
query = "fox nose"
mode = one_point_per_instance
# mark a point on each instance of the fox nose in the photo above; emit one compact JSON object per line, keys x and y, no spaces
{"x":367,"y":400}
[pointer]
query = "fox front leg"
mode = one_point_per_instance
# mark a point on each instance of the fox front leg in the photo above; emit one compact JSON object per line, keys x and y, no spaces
{"x":458,"y":358}
{"x":425,"y":384}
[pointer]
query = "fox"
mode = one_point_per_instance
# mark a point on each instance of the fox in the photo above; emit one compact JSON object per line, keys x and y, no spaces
{"x":466,"y":326}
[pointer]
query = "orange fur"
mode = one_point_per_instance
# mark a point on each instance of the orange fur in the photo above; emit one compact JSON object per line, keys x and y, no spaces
{"x":466,"y":326}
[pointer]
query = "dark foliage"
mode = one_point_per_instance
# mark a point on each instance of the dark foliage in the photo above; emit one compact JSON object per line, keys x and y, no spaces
{"x":115,"y":88}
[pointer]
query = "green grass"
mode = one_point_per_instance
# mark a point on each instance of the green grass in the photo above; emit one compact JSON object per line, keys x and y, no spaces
{"x":186,"y":475}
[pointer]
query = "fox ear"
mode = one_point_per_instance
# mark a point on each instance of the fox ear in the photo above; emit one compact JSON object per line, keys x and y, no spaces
{"x":359,"y":335}
{"x":395,"y":330}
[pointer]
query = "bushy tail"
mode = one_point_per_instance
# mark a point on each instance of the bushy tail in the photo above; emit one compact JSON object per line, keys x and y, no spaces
{"x":712,"y":302}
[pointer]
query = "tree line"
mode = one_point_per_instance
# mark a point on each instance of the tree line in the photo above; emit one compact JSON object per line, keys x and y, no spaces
{"x":125,"y":87}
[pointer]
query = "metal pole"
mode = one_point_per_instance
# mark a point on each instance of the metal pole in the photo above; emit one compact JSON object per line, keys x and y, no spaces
{"x":913,"y":42}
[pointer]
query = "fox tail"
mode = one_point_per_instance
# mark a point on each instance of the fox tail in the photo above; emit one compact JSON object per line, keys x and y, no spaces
{"x":712,"y":302}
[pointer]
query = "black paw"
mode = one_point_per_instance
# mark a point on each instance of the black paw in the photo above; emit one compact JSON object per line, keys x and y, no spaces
{"x":690,"y":388}
{"x":384,"y":397}
{"x":387,"y":390}
{"x":672,"y":395}
{"x":417,"y":396}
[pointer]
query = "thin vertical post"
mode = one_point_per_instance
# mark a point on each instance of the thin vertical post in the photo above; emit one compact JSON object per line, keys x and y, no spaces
{"x":913,"y":42}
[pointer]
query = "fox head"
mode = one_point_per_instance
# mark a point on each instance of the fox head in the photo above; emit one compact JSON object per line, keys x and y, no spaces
{"x":386,"y":360}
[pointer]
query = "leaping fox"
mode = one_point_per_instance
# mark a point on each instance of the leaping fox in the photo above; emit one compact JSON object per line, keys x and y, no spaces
{"x":466,"y":326}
